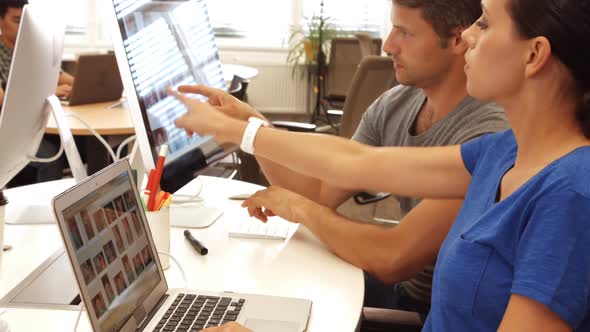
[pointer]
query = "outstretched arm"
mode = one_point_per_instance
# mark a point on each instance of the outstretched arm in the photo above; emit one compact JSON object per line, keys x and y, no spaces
{"x":414,"y":172}
{"x":308,"y":186}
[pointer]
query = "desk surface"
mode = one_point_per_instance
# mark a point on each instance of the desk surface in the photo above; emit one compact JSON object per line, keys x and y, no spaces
{"x":299,"y":267}
{"x":105,"y":120}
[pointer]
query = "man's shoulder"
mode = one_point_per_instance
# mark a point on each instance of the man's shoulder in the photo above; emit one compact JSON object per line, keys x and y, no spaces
{"x":400,"y":93}
{"x":394,"y":99}
{"x":476,"y":118}
{"x":476,"y":107}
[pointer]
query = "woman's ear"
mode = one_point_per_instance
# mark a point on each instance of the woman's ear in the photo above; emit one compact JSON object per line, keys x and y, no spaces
{"x":537,"y":55}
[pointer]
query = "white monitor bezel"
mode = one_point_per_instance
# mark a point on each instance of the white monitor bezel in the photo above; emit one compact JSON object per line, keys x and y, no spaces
{"x":23,"y":114}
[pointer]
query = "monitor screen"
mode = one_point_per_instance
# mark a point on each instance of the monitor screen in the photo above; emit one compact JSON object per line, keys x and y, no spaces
{"x":166,"y":44}
{"x":106,"y":231}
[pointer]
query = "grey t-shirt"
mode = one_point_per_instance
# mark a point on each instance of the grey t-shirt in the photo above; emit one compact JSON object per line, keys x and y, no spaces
{"x":5,"y":60}
{"x":389,"y":122}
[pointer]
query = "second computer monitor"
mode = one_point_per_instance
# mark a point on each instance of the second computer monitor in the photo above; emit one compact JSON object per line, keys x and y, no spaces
{"x":33,"y":77}
{"x":164,"y":44}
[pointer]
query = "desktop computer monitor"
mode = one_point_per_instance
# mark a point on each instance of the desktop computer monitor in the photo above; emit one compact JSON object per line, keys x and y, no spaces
{"x":161,"y":44}
{"x":33,"y":77}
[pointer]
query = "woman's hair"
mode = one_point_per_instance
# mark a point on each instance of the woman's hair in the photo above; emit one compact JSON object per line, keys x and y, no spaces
{"x":566,"y":24}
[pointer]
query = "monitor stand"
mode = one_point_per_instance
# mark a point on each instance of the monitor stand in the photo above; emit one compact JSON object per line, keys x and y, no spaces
{"x":40,"y":212}
{"x":189,"y":211}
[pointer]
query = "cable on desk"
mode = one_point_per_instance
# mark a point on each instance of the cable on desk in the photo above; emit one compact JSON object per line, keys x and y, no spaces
{"x":96,"y":134}
{"x":78,"y":318}
{"x":179,"y":267}
{"x":123,"y":144}
{"x":180,"y":199}
{"x":50,"y":159}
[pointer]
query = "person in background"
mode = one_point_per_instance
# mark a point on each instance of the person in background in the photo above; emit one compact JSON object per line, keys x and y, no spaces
{"x":10,"y":14}
{"x":516,"y":256}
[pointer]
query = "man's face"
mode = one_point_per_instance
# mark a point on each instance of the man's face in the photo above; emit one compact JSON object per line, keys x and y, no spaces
{"x":418,"y":54}
{"x":9,"y":24}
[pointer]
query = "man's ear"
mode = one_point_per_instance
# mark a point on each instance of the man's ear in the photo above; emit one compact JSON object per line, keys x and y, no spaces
{"x":456,"y":41}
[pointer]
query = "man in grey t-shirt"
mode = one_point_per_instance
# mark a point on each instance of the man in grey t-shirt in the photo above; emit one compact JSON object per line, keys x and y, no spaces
{"x":391,"y":121}
{"x":430,"y":108}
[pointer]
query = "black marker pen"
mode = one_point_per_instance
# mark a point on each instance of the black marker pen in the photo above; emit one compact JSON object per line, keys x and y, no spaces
{"x":199,"y":247}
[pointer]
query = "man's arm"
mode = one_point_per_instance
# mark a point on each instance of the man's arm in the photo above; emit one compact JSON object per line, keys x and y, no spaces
{"x":310,"y":187}
{"x":65,"y":78}
{"x":391,"y":254}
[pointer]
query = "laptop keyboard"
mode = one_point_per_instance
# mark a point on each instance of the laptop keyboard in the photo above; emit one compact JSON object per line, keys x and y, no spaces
{"x":190,"y":312}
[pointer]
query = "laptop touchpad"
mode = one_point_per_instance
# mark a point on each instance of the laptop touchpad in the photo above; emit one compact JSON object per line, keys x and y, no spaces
{"x":261,"y":325}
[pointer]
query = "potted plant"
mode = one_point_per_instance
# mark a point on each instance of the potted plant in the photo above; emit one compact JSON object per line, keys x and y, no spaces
{"x":304,"y":42}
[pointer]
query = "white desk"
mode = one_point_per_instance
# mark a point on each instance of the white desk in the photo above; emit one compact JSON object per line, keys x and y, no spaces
{"x":299,"y":267}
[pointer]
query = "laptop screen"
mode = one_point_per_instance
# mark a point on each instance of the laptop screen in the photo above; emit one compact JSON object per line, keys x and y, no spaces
{"x":168,"y":43}
{"x":106,"y":230}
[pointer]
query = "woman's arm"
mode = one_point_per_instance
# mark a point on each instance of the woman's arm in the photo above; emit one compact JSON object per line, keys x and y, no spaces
{"x":526,"y":315}
{"x":415,"y":172}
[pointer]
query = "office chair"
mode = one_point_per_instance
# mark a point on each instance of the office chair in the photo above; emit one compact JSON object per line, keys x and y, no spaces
{"x":345,"y":56}
{"x":388,"y":320}
{"x":368,"y":45}
{"x":238,"y":87}
{"x":374,"y":75}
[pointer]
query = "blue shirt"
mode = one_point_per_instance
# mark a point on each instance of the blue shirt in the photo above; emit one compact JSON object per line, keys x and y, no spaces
{"x":535,"y":242}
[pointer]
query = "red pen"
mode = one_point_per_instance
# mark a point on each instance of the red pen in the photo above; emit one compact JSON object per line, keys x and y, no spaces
{"x":150,"y":180}
{"x":157,"y":177}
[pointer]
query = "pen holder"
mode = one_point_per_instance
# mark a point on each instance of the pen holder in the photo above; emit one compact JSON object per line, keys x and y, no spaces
{"x":159,"y":222}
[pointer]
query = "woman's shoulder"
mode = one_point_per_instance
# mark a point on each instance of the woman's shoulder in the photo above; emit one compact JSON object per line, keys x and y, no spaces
{"x":573,"y":171}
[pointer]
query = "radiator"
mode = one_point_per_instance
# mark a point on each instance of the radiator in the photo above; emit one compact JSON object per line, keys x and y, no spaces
{"x":274,"y":90}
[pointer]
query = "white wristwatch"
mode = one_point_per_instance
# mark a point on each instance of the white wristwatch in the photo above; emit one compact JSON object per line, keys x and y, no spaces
{"x":254,"y":124}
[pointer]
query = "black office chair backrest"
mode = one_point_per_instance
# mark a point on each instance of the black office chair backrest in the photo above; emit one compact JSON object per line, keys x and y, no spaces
{"x":238,"y":87}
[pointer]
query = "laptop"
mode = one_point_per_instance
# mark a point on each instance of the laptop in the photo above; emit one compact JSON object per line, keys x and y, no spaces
{"x":121,"y":281}
{"x":97,"y":80}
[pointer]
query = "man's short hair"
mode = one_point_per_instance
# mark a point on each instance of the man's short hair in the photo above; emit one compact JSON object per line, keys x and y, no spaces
{"x":5,"y":4}
{"x":446,"y":15}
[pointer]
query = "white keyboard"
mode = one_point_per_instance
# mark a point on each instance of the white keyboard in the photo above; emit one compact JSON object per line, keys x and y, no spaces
{"x":254,"y":229}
